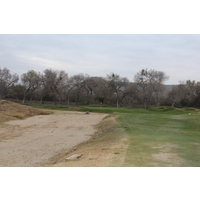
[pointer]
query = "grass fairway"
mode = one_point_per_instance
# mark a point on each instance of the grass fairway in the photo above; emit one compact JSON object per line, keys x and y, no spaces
{"x":160,"y":136}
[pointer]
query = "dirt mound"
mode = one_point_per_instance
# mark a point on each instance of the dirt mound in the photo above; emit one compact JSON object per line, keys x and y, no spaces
{"x":12,"y":111}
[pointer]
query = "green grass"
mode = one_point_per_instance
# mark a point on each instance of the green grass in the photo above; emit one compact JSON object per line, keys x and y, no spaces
{"x":159,"y":136}
{"x":164,"y":139}
{"x":110,"y":109}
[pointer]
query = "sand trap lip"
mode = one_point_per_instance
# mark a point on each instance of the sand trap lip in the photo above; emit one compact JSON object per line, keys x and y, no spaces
{"x":39,"y":138}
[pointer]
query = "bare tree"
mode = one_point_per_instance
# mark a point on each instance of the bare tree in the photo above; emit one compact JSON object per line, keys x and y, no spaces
{"x":186,"y":92}
{"x":101,"y":92}
{"x":150,"y":83}
{"x":142,"y":81}
{"x":30,"y":81}
{"x":55,"y":83}
{"x":68,"y":89}
{"x":156,"y":80}
{"x":117,"y":84}
{"x":41,"y":92}
{"x":79,"y":85}
{"x":90,"y":86}
{"x":6,"y":80}
{"x":131,"y":94}
{"x":175,"y":95}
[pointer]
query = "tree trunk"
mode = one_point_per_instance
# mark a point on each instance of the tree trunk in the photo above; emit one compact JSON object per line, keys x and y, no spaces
{"x":89,"y":97}
{"x":77,"y":98}
{"x":68,"y":100}
{"x":0,"y":104}
{"x":41,"y":100}
{"x":55,"y":101}
{"x":117,"y":100}
{"x":23,"y":99}
{"x":60,"y":100}
{"x":30,"y":102}
{"x":145,"y":102}
{"x":157,"y":99}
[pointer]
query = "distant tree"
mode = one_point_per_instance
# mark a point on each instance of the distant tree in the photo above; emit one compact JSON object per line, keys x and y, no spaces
{"x":117,"y":84}
{"x":175,"y":95}
{"x":183,"y":94}
{"x":159,"y":93}
{"x":15,"y":92}
{"x":142,"y":81}
{"x":131,"y":94}
{"x":30,"y":81}
{"x":150,"y":84}
{"x":79,"y":86}
{"x":68,"y":90}
{"x":188,"y":93}
{"x":90,"y":86}
{"x":55,"y":83}
{"x":41,"y":90}
{"x":191,"y":92}
{"x":6,"y":80}
{"x":101,"y":92}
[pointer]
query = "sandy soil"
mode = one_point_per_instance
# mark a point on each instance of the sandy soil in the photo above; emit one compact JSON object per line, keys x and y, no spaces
{"x":35,"y":140}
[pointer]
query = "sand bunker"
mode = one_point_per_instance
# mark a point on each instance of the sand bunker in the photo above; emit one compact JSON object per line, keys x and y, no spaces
{"x":35,"y":140}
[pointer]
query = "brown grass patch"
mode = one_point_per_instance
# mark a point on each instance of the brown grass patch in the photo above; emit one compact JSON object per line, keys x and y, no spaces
{"x":166,"y":157}
{"x":12,"y":111}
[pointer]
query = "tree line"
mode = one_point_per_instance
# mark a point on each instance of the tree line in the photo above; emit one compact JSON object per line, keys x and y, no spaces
{"x":147,"y":89}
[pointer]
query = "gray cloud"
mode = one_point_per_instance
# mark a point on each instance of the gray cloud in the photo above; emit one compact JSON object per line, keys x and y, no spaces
{"x":98,"y":55}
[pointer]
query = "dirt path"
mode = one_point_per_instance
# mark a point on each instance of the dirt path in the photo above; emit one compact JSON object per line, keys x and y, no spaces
{"x":35,"y":140}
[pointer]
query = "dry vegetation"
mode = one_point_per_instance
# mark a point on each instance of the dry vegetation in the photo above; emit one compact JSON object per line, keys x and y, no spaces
{"x":12,"y":111}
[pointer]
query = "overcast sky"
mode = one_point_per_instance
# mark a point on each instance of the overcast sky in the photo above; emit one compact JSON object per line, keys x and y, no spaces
{"x":98,"y":55}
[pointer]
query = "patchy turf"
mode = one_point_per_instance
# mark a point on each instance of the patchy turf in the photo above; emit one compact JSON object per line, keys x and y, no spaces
{"x":162,"y":138}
